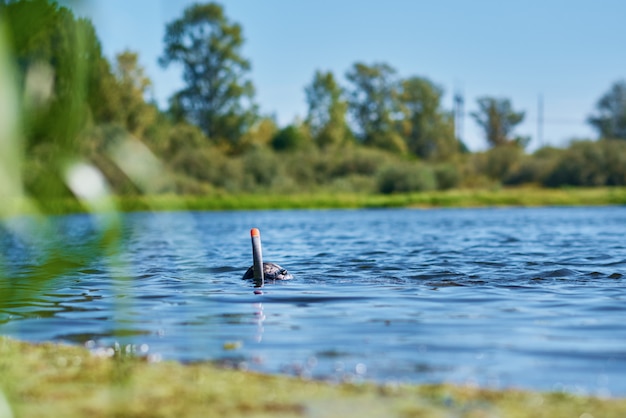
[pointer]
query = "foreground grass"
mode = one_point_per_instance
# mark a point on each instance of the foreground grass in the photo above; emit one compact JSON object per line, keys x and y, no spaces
{"x":460,"y":198}
{"x":66,"y":381}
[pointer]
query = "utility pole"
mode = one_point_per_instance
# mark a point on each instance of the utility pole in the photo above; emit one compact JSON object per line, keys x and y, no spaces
{"x":459,"y":102}
{"x":540,"y":120}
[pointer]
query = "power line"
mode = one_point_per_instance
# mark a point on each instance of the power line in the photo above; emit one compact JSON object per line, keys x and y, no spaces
{"x":564,"y":121}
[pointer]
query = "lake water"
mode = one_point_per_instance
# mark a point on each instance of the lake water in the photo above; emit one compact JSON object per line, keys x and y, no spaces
{"x":525,"y":297}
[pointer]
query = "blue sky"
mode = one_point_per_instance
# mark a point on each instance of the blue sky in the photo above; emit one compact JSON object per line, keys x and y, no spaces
{"x":569,"y":51}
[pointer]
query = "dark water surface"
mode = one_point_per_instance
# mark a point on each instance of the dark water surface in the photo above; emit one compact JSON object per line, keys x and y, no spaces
{"x":532,"y":298}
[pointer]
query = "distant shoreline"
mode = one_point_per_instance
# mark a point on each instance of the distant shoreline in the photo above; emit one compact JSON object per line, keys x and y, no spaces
{"x":457,"y":198}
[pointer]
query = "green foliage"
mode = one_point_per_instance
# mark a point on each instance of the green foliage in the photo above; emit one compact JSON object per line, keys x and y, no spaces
{"x":289,"y":138}
{"x":354,"y":183}
{"x":133,"y":86}
{"x":614,"y":162}
{"x":528,"y":171}
{"x":260,"y":134}
{"x":77,"y":107}
{"x":533,"y":169}
{"x":359,"y":161}
{"x":610,"y":119}
{"x":428,"y":131}
{"x":206,"y":168}
{"x":372,"y":102}
{"x":590,"y":163}
{"x":390,"y":141}
{"x":262,"y":169}
{"x":216,"y":97}
{"x":406,"y":177}
{"x":178,"y":137}
{"x":447,"y":176}
{"x":326,"y":117}
{"x":65,"y":77}
{"x":307,"y":169}
{"x":497,"y":120}
{"x":66,"y":84}
{"x":502,"y":160}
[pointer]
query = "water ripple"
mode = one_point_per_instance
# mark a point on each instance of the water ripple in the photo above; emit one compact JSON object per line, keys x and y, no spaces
{"x":506,"y":297}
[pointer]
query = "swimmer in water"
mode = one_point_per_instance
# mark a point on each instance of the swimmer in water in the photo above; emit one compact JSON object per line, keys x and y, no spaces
{"x":261,"y":271}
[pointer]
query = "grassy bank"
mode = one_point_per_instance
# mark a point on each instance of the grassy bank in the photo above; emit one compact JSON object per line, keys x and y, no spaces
{"x":461,"y":198}
{"x":55,"y":380}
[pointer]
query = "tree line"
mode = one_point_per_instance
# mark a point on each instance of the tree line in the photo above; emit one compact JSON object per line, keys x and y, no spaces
{"x":377,"y":132}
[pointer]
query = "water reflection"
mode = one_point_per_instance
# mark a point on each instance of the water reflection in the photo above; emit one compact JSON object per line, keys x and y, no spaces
{"x":259,"y":319}
{"x":507,"y":297}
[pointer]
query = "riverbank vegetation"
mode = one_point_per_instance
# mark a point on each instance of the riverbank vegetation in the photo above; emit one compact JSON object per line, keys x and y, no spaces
{"x":84,"y":127}
{"x":457,"y":198}
{"x":74,"y":382}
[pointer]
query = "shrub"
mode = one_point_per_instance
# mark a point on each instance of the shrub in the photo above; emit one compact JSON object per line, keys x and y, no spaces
{"x":590,"y":163}
{"x":502,"y":159}
{"x":615,"y":151}
{"x":531,"y":169}
{"x":207,"y":165}
{"x":262,"y":167}
{"x":358,"y":160}
{"x":289,"y":138}
{"x":405,"y":177}
{"x":447,"y":176}
{"x":580,"y":165}
{"x":354,"y":183}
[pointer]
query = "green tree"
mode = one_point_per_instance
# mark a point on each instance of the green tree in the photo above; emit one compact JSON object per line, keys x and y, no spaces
{"x":136,"y":115}
{"x":259,"y":134}
{"x":52,"y":47}
{"x":497,"y":119}
{"x":102,"y":91}
{"x":66,"y":83}
{"x":610,"y":119}
{"x":326,"y":116}
{"x":372,"y":103}
{"x":428,"y":131}
{"x":217,"y":98}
